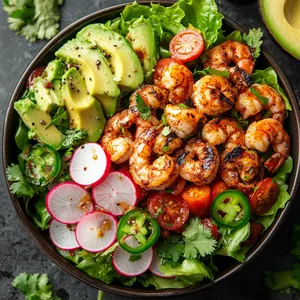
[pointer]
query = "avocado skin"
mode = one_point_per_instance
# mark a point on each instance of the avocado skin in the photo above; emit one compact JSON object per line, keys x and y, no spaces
{"x":94,"y":68}
{"x":144,"y":42}
{"x":125,"y":64}
{"x":37,"y":121}
{"x":84,"y":110}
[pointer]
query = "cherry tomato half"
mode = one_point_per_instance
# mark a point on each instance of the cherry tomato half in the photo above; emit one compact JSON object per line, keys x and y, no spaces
{"x":198,"y":199}
{"x":187,"y":45}
{"x":170,"y":211}
{"x":178,"y":187}
{"x":35,"y":73}
{"x":264,"y":197}
{"x":218,"y":187}
{"x":207,"y":223}
{"x":255,"y":231}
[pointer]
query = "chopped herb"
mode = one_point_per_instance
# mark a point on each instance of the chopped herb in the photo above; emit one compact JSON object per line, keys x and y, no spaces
{"x":209,"y":71}
{"x":169,"y":190}
{"x":166,"y":131}
{"x":158,"y":212}
{"x":122,"y":129}
{"x":143,"y":108}
{"x":165,"y":149}
{"x":182,"y":105}
{"x":163,"y":119}
{"x":257,"y":94}
{"x":60,"y":119}
{"x":134,"y":257}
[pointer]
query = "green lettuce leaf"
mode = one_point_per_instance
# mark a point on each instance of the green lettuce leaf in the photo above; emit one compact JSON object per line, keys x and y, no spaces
{"x":40,"y":215}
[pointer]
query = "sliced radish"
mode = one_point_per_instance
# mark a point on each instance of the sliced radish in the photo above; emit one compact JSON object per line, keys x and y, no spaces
{"x":154,"y":267}
{"x":116,"y":194}
{"x":68,"y":203}
{"x":89,"y":165}
{"x":63,"y":235}
{"x":96,"y":231}
{"x":128,"y":264}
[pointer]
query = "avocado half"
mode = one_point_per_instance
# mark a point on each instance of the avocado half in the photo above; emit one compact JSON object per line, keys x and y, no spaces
{"x":282,"y":18}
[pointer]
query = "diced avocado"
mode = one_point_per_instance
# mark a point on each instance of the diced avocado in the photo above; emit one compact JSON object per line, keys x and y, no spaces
{"x":144,"y":42}
{"x":84,"y":110}
{"x":124,"y":62}
{"x":55,"y":70}
{"x":94,"y":67}
{"x":37,"y":121}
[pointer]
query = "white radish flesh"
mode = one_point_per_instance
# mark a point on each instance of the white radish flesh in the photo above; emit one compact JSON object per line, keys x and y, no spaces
{"x":63,"y":235}
{"x":154,"y":267}
{"x":96,"y":231}
{"x":89,"y":165}
{"x":116,"y":194}
{"x":68,"y":202}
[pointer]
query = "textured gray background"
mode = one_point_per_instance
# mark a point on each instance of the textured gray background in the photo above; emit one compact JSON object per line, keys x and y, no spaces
{"x":18,"y":253}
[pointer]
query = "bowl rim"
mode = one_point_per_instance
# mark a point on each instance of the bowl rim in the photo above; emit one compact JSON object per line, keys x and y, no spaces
{"x":69,"y":267}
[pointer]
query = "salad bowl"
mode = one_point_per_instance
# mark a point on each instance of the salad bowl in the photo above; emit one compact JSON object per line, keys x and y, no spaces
{"x":41,"y":238}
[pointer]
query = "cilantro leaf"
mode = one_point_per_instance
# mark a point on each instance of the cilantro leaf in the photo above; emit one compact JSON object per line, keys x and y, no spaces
{"x":254,"y":40}
{"x":171,"y":249}
{"x":209,"y":71}
{"x":198,"y":240}
{"x":143,"y":108}
{"x":73,"y":137}
{"x":60,"y":118}
{"x":134,"y":257}
{"x":166,"y":131}
{"x":163,"y":119}
{"x":259,"y":96}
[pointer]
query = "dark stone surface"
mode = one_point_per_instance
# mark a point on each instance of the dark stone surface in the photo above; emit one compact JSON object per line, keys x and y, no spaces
{"x":20,"y":254}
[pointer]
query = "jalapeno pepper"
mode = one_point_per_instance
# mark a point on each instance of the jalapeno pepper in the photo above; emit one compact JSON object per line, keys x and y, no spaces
{"x":142,"y":226}
{"x":231,"y":209}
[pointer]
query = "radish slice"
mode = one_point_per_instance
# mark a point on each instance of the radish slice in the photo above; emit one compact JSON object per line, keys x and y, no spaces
{"x":116,"y":194}
{"x":154,"y":267}
{"x":63,"y":235}
{"x":96,"y":231}
{"x":127,"y":264}
{"x":89,"y":165}
{"x":68,"y":203}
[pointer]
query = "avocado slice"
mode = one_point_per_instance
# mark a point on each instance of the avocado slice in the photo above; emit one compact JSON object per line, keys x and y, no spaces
{"x":84,"y":110}
{"x":124,"y":62}
{"x":55,"y":70}
{"x":94,"y":67}
{"x":144,"y":42}
{"x":37,"y":121}
{"x":283,"y":21}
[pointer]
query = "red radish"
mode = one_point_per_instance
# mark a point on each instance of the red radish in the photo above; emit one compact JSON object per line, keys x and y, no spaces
{"x":96,"y":231}
{"x":154,"y":267}
{"x":128,"y":264}
{"x":89,"y":165}
{"x":63,"y":235}
{"x":68,"y":202}
{"x":116,"y":194}
{"x":125,"y":170}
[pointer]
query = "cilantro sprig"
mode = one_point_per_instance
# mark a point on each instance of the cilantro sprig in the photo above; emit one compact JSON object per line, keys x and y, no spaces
{"x":144,"y":110}
{"x":259,"y":96}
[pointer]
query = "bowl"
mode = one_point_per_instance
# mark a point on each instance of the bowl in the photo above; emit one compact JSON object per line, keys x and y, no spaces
{"x":41,"y":238}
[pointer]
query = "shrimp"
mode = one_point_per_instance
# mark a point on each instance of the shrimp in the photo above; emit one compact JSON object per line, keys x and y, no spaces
{"x":116,"y":139}
{"x":142,"y":125}
{"x":235,"y":57}
{"x":214,"y":95}
{"x":156,"y":175}
{"x":249,"y":105}
{"x":198,"y":162}
{"x":260,"y":135}
{"x":216,"y":131}
{"x":176,"y":79}
{"x":240,"y":167}
{"x":184,"y":121}
{"x":166,"y":144}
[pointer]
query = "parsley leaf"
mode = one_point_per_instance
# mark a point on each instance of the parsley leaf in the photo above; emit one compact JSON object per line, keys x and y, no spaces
{"x":35,"y":286}
{"x":143,"y":108}
{"x":198,"y":240}
{"x":254,"y":39}
{"x":166,"y":131}
{"x":259,"y":96}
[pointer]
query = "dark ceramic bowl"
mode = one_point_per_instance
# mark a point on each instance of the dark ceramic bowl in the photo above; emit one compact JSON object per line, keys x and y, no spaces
{"x":228,"y":266}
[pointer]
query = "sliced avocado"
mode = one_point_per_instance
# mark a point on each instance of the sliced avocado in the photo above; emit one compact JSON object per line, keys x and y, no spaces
{"x":37,"y":121}
{"x":94,"y":67}
{"x":55,"y":70}
{"x":144,"y":42}
{"x":283,"y":20}
{"x":84,"y":110}
{"x":124,"y":62}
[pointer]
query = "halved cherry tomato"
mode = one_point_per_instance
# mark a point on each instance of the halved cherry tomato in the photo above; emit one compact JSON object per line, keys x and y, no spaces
{"x":198,"y":199}
{"x":255,"y":231}
{"x":218,"y":186}
{"x":35,"y":73}
{"x":170,"y":211}
{"x":187,"y":45}
{"x":264,"y":196}
{"x":178,"y":187}
{"x":207,"y":223}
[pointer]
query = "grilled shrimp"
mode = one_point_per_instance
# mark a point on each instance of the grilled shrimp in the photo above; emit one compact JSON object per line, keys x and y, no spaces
{"x":260,"y":135}
{"x":116,"y":138}
{"x":240,"y":167}
{"x":214,"y":95}
{"x":142,"y":125}
{"x":184,"y":121}
{"x":175,"y":78}
{"x":198,"y":162}
{"x":166,"y":144}
{"x":216,"y":131}
{"x":235,"y":57}
{"x":156,"y":175}
{"x":249,"y":105}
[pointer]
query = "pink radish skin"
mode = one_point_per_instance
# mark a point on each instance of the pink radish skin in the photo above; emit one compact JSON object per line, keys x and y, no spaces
{"x":116,"y":194}
{"x":154,"y":267}
{"x":62,"y":236}
{"x":124,"y":266}
{"x":63,"y":202}
{"x":96,"y":231}
{"x":90,"y":164}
